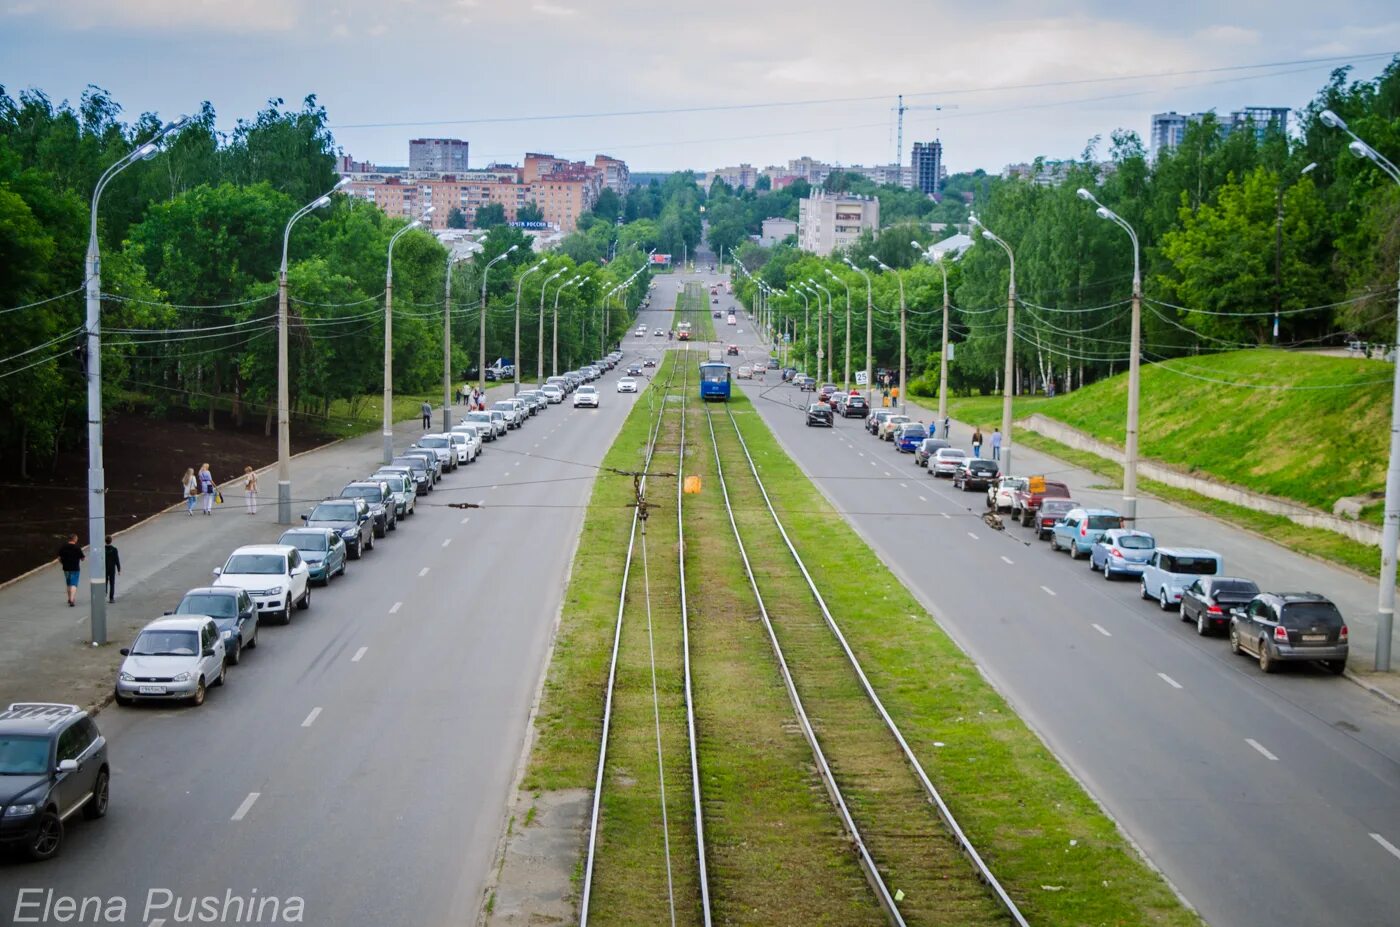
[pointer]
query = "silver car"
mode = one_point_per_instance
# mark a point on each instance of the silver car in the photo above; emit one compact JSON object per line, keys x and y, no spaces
{"x":497,"y":423}
{"x":401,"y":485}
{"x":553,"y":393}
{"x":172,"y":659}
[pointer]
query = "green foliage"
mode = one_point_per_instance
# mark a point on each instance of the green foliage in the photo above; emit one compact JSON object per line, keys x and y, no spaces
{"x":530,"y":212}
{"x":456,"y":219}
{"x":490,"y":215}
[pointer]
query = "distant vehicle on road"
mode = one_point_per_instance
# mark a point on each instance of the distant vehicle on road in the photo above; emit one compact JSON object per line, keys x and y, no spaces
{"x":732,"y":350}
{"x":53,"y":764}
{"x":586,"y":396}
{"x":731,"y":320}
{"x":1207,"y":601}
{"x":1028,"y":498}
{"x":626,"y":385}
{"x":1172,"y":569}
{"x":1284,"y":627}
{"x":887,"y":427}
{"x":745,"y":372}
{"x":819,"y":413}
{"x":806,"y":384}
{"x":1121,"y":551}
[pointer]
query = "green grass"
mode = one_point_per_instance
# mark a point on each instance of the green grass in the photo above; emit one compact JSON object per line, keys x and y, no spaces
{"x":348,"y":419}
{"x":693,"y":306}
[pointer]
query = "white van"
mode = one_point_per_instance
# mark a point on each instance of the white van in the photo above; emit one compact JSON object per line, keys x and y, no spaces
{"x":1172,"y":569}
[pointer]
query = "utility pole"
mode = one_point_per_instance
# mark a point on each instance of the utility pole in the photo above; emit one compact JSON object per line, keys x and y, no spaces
{"x":481,"y":348}
{"x":869,"y":338}
{"x":520,"y":284}
{"x":1008,"y":385}
{"x":388,"y":433}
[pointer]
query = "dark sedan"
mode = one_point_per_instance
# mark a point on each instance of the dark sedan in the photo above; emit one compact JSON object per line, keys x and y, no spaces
{"x":1051,"y":511}
{"x":1209,"y":599}
{"x":819,"y":413}
{"x":975,"y":474}
{"x":232,"y":610}
{"x":349,"y":518}
{"x":926,"y":449}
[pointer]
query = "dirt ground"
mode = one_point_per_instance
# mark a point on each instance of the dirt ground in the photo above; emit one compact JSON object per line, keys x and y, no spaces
{"x":144,"y":458}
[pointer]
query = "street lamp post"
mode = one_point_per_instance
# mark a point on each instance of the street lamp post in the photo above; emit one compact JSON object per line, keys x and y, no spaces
{"x":97,"y":478}
{"x":806,"y":323}
{"x":1006,"y":386}
{"x":902,"y":326}
{"x":447,"y":341}
{"x":520,"y":284}
{"x":539,"y":350}
{"x":481,"y":348}
{"x":554,"y":355}
{"x":1278,"y":246}
{"x":1390,"y":534}
{"x":388,"y":434}
{"x":830,"y":323}
{"x":284,"y":412}
{"x":943,"y":358}
{"x":839,"y":280}
{"x":869,"y":338}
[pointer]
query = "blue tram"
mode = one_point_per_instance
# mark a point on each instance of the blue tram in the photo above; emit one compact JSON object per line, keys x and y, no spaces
{"x":714,"y":381}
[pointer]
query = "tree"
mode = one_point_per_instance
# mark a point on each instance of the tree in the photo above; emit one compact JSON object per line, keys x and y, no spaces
{"x":608,"y":206}
{"x":490,"y":215}
{"x":530,"y":212}
{"x":456,"y":219}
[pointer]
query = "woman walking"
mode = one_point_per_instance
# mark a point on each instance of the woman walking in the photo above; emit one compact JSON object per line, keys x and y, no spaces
{"x":191,"y":486}
{"x":207,"y":488}
{"x":977,"y":442}
{"x":250,"y":490}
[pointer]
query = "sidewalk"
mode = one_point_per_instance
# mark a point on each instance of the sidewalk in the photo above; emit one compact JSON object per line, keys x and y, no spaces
{"x":45,"y":650}
{"x":1246,"y":554}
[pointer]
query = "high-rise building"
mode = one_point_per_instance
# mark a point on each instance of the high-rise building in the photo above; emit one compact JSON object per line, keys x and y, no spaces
{"x":827,"y":221}
{"x":615,"y":173}
{"x":443,"y":155}
{"x":1169,"y":129}
{"x":927,"y":162}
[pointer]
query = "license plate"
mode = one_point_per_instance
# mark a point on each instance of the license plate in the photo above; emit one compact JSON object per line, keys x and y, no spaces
{"x":1314,"y":638}
{"x":152,"y":690}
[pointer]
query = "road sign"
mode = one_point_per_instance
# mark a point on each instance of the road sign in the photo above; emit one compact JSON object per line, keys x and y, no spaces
{"x":862,"y":378}
{"x":951,"y":346}
{"x":820,"y":354}
{"x":1036,"y":484}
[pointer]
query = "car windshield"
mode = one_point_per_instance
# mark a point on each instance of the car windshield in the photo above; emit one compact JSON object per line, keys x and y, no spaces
{"x":334,"y":512}
{"x":1238,"y":589}
{"x":1307,"y":614}
{"x":432,"y":442}
{"x":412,"y":463}
{"x":216,"y":606}
{"x":478,"y":416}
{"x":951,"y":453}
{"x":587,"y":389}
{"x":264,"y":564}
{"x":1104,"y":522}
{"x":504,"y":406}
{"x":21,"y":755}
{"x":166,"y":644}
{"x":305,"y":540}
{"x":1136,"y":541}
{"x":1056,"y":506}
{"x":371,"y":493}
{"x":985,"y":466}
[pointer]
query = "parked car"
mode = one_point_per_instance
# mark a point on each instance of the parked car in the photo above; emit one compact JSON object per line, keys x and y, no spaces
{"x":498,"y":418}
{"x":626,"y":385}
{"x":945,"y":460}
{"x":1207,"y":601}
{"x":512,"y":413}
{"x":732,"y":350}
{"x":1028,"y":498}
{"x":926,"y":448}
{"x":442,"y":449}
{"x":561,"y":382}
{"x":1171,"y":569}
{"x":1079,"y":529}
{"x":321,"y":548}
{"x":827,"y":391}
{"x":349,"y":518}
{"x":380,"y":502}
{"x":432,"y":462}
{"x":554,"y":393}
{"x":975,"y":474}
{"x":1002,"y":493}
{"x":876,"y":419}
{"x":53,"y":763}
{"x":887,"y":427}
{"x":1120,"y":551}
{"x":405,"y":491}
{"x":909,"y":436}
{"x":176,"y":658}
{"x":1051,"y":511}
{"x":273,"y":575}
{"x":233,"y":612}
{"x":586,"y":396}
{"x":853,"y":405}
{"x":1284,"y":627}
{"x":466,"y":442}
{"x":497,"y":426}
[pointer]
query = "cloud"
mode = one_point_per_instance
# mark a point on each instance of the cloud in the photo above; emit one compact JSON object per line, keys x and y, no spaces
{"x":159,"y":16}
{"x":1229,"y":35}
{"x":554,"y":9}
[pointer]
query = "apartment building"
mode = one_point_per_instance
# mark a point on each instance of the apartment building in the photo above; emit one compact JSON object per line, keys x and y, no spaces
{"x":615,"y":175}
{"x":827,"y":221}
{"x":443,"y":155}
{"x":927,"y":165}
{"x":1169,"y":129}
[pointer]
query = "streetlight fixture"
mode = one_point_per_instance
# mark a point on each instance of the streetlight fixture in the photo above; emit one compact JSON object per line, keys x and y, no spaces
{"x":452,"y":258}
{"x":869,"y":338}
{"x":481,"y":348}
{"x":1390,"y":533}
{"x":518,"y":286}
{"x":1006,"y":386}
{"x":839,"y":280}
{"x":830,"y":323}
{"x":801,"y":290}
{"x":943,"y":362}
{"x":902,"y":315}
{"x":1130,"y":443}
{"x":97,"y":479}
{"x":389,"y":336}
{"x":284,"y":414}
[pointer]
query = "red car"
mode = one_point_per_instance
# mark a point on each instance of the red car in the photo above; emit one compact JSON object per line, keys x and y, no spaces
{"x":1027,"y":501}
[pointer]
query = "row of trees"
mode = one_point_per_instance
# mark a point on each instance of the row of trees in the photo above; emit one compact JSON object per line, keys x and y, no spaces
{"x":1236,"y":230}
{"x":191,"y":244}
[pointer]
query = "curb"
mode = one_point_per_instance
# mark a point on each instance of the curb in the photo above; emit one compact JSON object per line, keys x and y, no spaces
{"x":1375,"y":690}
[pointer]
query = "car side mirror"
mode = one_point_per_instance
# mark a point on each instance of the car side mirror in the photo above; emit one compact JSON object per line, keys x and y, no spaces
{"x":305,"y":517}
{"x":167,"y":613}
{"x":218,"y":570}
{"x":126,"y":651}
{"x":67,"y":766}
{"x":209,"y":651}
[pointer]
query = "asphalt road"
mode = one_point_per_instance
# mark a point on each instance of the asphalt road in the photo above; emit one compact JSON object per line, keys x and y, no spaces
{"x":1266,"y":800}
{"x":361,"y":759}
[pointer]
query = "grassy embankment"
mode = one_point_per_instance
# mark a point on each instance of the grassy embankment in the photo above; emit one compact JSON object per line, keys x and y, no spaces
{"x":776,"y":851}
{"x":1322,"y":439}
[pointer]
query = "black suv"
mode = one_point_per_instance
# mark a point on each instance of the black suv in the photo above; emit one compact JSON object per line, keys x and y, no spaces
{"x":1282,"y":627}
{"x":854,"y":406}
{"x":53,"y":763}
{"x":349,"y":518}
{"x":380,"y":501}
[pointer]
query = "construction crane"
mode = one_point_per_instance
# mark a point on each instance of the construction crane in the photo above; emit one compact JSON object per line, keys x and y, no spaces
{"x":901,"y":109}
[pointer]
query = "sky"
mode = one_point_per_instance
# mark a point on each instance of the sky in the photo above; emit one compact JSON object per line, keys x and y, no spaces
{"x":763,"y":82}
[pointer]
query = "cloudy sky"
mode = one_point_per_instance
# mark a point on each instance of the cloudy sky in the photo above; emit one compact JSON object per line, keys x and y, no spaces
{"x":764,"y":82}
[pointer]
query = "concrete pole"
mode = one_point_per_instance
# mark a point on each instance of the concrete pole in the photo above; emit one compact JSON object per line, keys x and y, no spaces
{"x":1130,"y":445}
{"x":943,"y":362}
{"x":903,"y":366}
{"x":284,"y":429}
{"x":97,"y":480}
{"x":388,"y":429}
{"x":1007,"y":385}
{"x":539,"y":349}
{"x":848,"y":334}
{"x":1390,"y":533}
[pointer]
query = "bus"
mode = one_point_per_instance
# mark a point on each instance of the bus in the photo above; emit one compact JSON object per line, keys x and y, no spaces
{"x":714,"y":381}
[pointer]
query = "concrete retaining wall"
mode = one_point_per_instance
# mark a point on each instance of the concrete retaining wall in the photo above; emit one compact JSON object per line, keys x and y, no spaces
{"x":1225,"y":492}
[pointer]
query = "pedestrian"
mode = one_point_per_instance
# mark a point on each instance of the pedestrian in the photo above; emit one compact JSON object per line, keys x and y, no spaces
{"x":946,"y":423}
{"x":207,"y":488}
{"x":191,"y":486}
{"x":427,"y":416}
{"x":977,"y":442}
{"x":250,"y":490}
{"x":480,"y":400}
{"x":70,"y":558}
{"x":114,"y":566}
{"x":996,"y":444}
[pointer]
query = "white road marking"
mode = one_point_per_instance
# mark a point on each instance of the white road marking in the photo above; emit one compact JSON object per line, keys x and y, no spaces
{"x":359,"y":654}
{"x":247,"y":806}
{"x":903,"y":485}
{"x":923,"y":498}
{"x":1169,"y":681}
{"x":1048,"y":590}
{"x":394,"y":609}
{"x":517,"y":463}
{"x":1007,"y":560}
{"x":1390,"y":848}
{"x":424,"y":571}
{"x":973,"y":536}
{"x":1102,"y":630}
{"x":311,"y":718}
{"x":945,"y":514}
{"x":466,"y":518}
{"x":860,"y":454}
{"x":1263,"y":751}
{"x":873,"y":464}
{"x":446,"y":541}
{"x":495,"y":487}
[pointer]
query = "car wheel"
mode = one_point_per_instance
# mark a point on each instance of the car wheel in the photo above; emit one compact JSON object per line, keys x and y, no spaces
{"x":1266,"y":659}
{"x":1202,"y":626}
{"x":354,"y":552}
{"x":1235,"y":641}
{"x":305,"y":602}
{"x":1054,"y":543}
{"x":394,"y":525}
{"x":1335,"y":667}
{"x":1073,"y":550}
{"x":96,"y":806}
{"x":48,"y":837}
{"x":1162,"y":602}
{"x":198,"y":698}
{"x":379,"y":532}
{"x":1142,"y":589}
{"x":235,"y":654}
{"x":253,"y":641}
{"x":343,"y":565}
{"x":1107,"y":573}
{"x":1093,"y":567}
{"x":369,"y":541}
{"x":223,"y":672}
{"x":121,"y":700}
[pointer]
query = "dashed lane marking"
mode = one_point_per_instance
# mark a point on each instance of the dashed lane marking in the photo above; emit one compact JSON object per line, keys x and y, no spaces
{"x":394,"y":609}
{"x":1264,"y":752}
{"x":1169,"y":681}
{"x":1102,"y":630}
{"x":311,"y":718}
{"x":446,"y":541}
{"x":247,"y":806}
{"x":424,"y":571}
{"x":1390,"y":848}
{"x":1048,"y":590}
{"x":923,"y":498}
{"x":1007,"y":560}
{"x":359,"y":654}
{"x":973,"y":536}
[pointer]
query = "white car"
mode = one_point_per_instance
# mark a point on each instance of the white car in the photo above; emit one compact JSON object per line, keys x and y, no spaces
{"x":274,"y":575}
{"x":586,"y":396}
{"x":744,"y":373}
{"x":496,"y":425}
{"x":1002,"y":493}
{"x":945,"y":460}
{"x":554,"y":394}
{"x":467,"y":445}
{"x":731,"y":320}
{"x":177,"y":657}
{"x":627,"y":385}
{"x":513,"y":415}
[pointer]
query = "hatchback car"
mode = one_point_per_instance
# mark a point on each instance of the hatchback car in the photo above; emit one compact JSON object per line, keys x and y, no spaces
{"x":1283,"y":627}
{"x":274,"y":575}
{"x":173,"y":659}
{"x":321,"y":548}
{"x":975,"y":474}
{"x":586,"y":396}
{"x":854,"y":406}
{"x":819,"y":413}
{"x":626,"y":385}
{"x":1121,"y":551}
{"x":232,"y":610}
{"x":649,"y":362}
{"x":1207,"y":601}
{"x":1171,"y":569}
{"x":1079,"y":529}
{"x":946,"y":460}
{"x":53,"y":764}
{"x":466,"y":443}
{"x":885,"y":430}
{"x":1002,"y":493}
